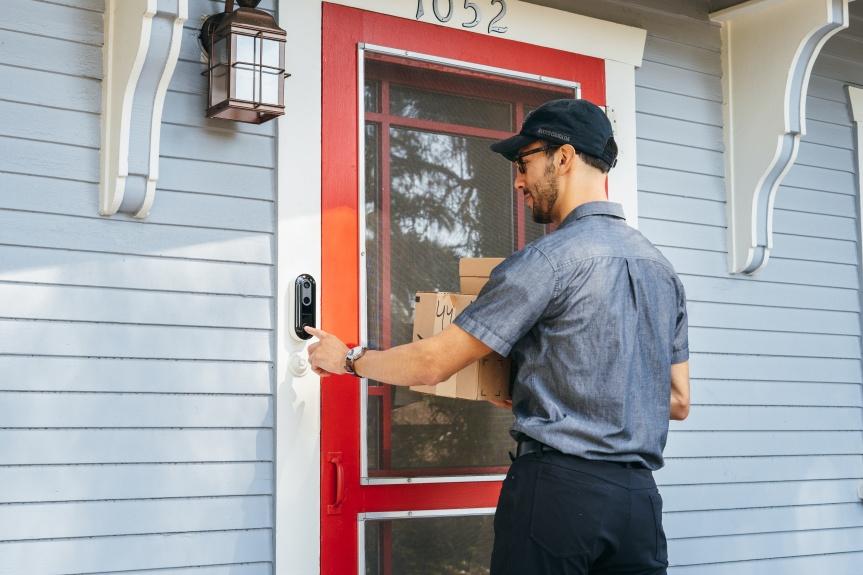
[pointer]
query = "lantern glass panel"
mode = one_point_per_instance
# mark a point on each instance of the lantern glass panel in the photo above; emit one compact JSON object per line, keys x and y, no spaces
{"x":270,"y":87}
{"x":220,"y":51}
{"x":245,"y":49}
{"x":245,"y":82}
{"x":219,"y":72}
{"x":274,"y":66}
{"x":245,"y":79}
{"x":272,"y":50}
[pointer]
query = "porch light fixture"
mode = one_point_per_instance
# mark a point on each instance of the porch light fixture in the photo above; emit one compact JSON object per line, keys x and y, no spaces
{"x":245,"y":64}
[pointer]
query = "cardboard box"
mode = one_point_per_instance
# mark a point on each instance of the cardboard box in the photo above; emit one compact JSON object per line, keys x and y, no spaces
{"x":485,"y":379}
{"x":473,"y":273}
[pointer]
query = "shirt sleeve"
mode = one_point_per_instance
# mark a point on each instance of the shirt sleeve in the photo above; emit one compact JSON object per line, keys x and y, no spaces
{"x":680,"y":348}
{"x":511,"y":302}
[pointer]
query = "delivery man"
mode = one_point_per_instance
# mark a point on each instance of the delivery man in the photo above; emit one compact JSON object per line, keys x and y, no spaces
{"x":594,"y":319}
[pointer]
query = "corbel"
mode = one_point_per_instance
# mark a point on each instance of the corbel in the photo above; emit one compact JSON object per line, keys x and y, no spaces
{"x":768,"y":50}
{"x":142,"y":46}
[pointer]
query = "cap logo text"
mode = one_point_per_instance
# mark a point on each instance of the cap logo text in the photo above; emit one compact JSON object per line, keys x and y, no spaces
{"x":553,"y":134}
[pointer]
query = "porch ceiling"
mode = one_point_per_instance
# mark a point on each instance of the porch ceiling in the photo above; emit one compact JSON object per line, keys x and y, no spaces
{"x":715,"y":5}
{"x":699,"y":9}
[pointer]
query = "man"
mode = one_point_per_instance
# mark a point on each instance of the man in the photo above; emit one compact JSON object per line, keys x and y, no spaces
{"x":594,"y":319}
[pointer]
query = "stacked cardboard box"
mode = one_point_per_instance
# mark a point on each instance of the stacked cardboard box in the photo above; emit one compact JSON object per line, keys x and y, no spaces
{"x":485,"y":379}
{"x":473,"y":273}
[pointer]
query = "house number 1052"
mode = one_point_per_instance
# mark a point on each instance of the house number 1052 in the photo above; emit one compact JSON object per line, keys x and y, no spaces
{"x":443,"y":11}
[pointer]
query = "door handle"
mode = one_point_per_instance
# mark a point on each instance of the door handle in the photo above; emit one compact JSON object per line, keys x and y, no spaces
{"x":335,"y":459}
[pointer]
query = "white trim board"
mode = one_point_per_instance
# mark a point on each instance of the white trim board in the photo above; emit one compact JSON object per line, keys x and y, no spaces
{"x":532,"y":24}
{"x":297,"y":465}
{"x":855,"y":101}
{"x":298,"y":250}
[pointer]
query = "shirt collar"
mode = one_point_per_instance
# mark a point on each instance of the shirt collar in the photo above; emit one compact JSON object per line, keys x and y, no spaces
{"x":600,"y":208}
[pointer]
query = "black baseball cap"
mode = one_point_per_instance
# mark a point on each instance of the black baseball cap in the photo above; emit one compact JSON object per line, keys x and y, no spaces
{"x":567,"y":121}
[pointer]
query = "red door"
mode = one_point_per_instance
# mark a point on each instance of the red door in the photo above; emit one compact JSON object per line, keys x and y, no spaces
{"x":409,"y":481}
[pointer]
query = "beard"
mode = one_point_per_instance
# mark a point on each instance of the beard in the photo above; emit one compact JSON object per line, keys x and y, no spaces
{"x":544,"y":194}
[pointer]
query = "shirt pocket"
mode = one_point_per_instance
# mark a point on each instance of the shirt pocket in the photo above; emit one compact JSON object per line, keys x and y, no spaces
{"x":568,"y":508}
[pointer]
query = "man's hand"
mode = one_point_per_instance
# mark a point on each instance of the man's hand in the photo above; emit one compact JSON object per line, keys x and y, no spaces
{"x":327,"y":355}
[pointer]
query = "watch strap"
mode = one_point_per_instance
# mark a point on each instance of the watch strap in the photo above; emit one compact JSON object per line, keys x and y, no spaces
{"x":353,"y":355}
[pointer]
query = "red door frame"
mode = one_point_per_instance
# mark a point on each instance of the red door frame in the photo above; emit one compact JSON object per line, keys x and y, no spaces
{"x":342,"y":495}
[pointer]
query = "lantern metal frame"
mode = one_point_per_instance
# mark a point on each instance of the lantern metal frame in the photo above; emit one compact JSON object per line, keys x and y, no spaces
{"x":261,"y":26}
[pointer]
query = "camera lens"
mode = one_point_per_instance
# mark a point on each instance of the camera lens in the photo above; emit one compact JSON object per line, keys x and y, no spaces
{"x":307,"y":285}
{"x":307,"y":300}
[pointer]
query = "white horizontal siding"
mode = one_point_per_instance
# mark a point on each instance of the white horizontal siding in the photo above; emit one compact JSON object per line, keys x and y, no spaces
{"x":758,"y":495}
{"x":233,"y":569}
{"x":93,"y":410}
{"x":715,"y":549}
{"x":80,"y":339}
{"x":780,"y":469}
{"x":753,"y":521}
{"x":91,"y":304}
{"x":776,"y":386}
{"x":841,"y":563}
{"x":763,"y":442}
{"x":775,"y":368}
{"x":99,"y":518}
{"x":136,"y":356}
{"x":86,"y":482}
{"x":127,"y":237}
{"x":23,"y":373}
{"x":123,"y":553}
{"x":114,"y":269}
{"x":151,"y":445}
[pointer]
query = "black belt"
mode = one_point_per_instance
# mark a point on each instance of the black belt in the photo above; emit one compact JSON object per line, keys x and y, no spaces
{"x":528,"y":446}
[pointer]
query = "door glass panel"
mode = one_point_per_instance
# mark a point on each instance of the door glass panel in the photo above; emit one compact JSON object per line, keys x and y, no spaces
{"x":440,"y":545}
{"x":434,"y":193}
{"x":450,"y":198}
{"x":372,"y":96}
{"x":441,"y":107}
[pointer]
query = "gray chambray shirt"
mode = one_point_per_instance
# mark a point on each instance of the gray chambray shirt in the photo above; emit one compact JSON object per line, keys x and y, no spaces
{"x":592,"y":316}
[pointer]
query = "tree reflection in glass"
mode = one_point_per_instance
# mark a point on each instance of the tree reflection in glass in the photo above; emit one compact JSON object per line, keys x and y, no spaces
{"x":434,"y":193}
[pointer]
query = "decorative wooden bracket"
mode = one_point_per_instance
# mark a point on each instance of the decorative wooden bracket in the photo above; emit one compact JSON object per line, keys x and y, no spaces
{"x":855,"y":98}
{"x":142,"y":45}
{"x":768,"y":50}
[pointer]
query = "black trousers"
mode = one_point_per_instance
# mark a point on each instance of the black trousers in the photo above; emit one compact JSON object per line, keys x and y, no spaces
{"x":563,"y":515}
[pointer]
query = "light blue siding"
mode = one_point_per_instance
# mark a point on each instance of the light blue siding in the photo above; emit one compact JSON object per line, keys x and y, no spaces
{"x":762,"y":477}
{"x":774,"y":440}
{"x":136,"y":357}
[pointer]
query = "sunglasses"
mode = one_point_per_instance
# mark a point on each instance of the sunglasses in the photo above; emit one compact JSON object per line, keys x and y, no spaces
{"x":519,"y":159}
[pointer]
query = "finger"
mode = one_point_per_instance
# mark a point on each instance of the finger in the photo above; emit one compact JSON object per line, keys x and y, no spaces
{"x":318,"y":333}
{"x":313,"y":347}
{"x":503,"y":404}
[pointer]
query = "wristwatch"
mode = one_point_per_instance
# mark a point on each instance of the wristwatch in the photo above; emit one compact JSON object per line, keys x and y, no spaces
{"x":352,"y":356}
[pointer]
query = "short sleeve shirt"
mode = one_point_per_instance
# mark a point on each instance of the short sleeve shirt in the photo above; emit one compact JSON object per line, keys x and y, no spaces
{"x":592,"y":316}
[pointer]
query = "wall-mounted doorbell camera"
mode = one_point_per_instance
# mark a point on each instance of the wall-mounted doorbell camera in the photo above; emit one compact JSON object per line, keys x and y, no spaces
{"x":305,"y":304}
